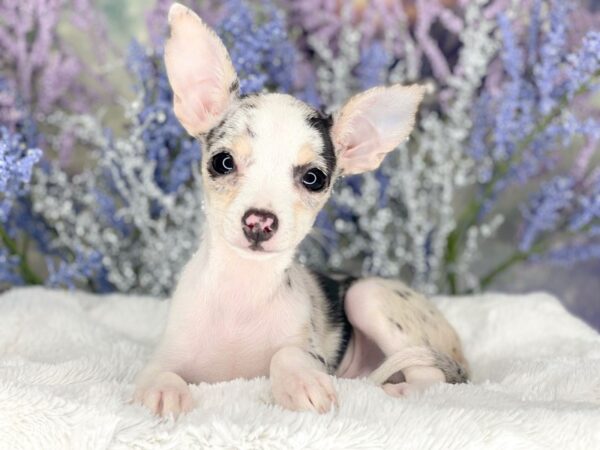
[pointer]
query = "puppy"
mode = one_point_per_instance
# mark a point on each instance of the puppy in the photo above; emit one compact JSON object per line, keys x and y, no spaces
{"x":242,"y":306}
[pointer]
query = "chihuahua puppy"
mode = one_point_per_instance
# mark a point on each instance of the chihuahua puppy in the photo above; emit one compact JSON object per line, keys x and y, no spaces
{"x":242,"y":306}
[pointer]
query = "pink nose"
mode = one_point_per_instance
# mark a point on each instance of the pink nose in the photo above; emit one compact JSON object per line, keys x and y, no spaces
{"x":259,"y":225}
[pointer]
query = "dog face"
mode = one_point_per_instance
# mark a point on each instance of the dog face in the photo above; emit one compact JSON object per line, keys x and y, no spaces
{"x":269,"y":160}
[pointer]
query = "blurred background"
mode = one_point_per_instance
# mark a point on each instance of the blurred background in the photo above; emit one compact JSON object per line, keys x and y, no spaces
{"x":497,"y":189}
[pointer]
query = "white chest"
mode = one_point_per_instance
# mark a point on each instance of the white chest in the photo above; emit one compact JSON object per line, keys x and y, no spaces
{"x":231,"y":338}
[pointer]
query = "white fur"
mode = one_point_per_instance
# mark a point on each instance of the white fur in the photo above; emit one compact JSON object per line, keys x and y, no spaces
{"x":233,"y":314}
{"x":68,"y":360}
{"x":372,"y":124}
{"x":200,"y":74}
{"x":280,"y":131}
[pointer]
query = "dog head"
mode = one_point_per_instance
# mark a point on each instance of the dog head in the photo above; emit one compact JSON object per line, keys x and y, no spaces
{"x":269,"y":160}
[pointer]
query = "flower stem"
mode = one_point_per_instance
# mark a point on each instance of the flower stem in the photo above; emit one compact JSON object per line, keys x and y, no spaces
{"x":29,"y":276}
{"x":456,"y":239}
{"x":516,"y":257}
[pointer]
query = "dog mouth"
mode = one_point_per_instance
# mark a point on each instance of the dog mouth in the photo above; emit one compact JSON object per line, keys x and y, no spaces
{"x":256,"y":247}
{"x":254,"y":250}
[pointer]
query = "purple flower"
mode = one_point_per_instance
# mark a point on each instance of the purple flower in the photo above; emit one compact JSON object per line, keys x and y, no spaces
{"x":64,"y":273}
{"x":165,"y":141}
{"x":547,"y":71}
{"x":588,"y":208}
{"x":545,"y":208}
{"x":374,"y":65}
{"x":46,"y":72}
{"x":510,"y":118}
{"x":571,"y":254}
{"x":584,"y":64}
{"x":261,"y":52}
{"x":9,"y":269}
{"x":16,"y":164}
{"x":11,"y":111}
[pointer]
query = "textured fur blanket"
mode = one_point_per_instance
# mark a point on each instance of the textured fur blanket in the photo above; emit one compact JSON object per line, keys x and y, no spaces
{"x":67,"y":361}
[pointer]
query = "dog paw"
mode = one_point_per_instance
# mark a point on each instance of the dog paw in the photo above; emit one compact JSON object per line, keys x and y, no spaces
{"x":398,"y":389}
{"x":166,"y":393}
{"x":309,"y":390}
{"x":405,"y":389}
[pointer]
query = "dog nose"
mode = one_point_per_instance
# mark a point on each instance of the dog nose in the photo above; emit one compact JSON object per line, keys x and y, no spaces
{"x":259,"y":225}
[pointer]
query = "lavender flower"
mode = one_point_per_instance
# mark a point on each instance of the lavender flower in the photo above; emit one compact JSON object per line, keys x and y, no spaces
{"x":64,"y":274}
{"x":261,"y":52}
{"x":9,"y":269}
{"x":11,"y":112}
{"x":571,"y":254}
{"x":588,"y":208}
{"x":165,"y":141}
{"x":374,"y":65}
{"x":584,"y":64}
{"x":544,"y":209}
{"x":16,"y":164}
{"x":46,"y":71}
{"x":547,"y":71}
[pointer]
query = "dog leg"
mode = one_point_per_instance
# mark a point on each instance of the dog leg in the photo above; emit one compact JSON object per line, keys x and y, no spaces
{"x":417,"y":379}
{"x":401,"y":328}
{"x":163,"y":393}
{"x":300,"y":382}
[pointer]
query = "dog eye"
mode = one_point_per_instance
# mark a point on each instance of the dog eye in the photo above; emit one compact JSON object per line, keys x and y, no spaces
{"x":223,"y":163}
{"x":314,"y":180}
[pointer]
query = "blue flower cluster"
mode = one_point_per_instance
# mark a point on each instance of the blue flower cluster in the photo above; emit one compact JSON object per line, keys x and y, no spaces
{"x":83,"y":267}
{"x":374,"y":64}
{"x":261,"y":51}
{"x":167,"y":144}
{"x":544,"y":210}
{"x":16,"y":165}
{"x":520,"y":126}
{"x":19,"y":224}
{"x":17,"y":160}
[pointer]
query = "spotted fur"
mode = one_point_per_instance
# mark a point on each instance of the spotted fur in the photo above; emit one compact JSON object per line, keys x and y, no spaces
{"x":243,"y":307}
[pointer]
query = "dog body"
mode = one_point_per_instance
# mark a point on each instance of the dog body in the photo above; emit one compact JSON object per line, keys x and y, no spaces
{"x":242,"y":306}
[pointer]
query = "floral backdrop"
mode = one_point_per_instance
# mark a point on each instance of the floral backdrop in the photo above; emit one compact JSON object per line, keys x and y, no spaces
{"x":498,"y":187}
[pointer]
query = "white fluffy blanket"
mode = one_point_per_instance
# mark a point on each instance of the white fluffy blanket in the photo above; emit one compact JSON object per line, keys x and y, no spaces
{"x":67,"y":361}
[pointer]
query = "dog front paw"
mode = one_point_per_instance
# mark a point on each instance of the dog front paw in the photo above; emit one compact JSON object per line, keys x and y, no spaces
{"x":308,"y":390}
{"x":164,"y":394}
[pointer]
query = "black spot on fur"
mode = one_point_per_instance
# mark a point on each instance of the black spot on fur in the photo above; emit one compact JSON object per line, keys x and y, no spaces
{"x":453,"y":371}
{"x":318,"y":358}
{"x":323,"y":123}
{"x":216,"y":133}
{"x":402,"y":294}
{"x":398,"y":326}
{"x":234,"y":86}
{"x":248,"y":101}
{"x":334,"y":291}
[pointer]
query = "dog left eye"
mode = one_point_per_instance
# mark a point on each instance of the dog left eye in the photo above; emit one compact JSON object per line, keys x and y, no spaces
{"x":222,"y":163}
{"x":314,"y":180}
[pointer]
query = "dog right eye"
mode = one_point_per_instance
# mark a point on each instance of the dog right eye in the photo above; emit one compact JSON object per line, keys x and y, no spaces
{"x":223,"y":163}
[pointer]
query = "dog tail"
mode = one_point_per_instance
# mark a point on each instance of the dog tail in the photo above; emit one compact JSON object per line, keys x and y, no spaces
{"x":453,"y":371}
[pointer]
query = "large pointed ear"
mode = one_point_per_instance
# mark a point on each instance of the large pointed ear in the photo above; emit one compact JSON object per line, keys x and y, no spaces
{"x":201,"y":74}
{"x":372,"y":124}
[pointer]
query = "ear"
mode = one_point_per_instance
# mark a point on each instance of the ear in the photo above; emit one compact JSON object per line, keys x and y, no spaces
{"x":201,"y":74}
{"x":372,"y":124}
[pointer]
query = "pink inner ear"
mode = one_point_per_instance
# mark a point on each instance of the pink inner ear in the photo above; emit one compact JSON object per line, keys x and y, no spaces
{"x":199,"y":70}
{"x":372,"y":124}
